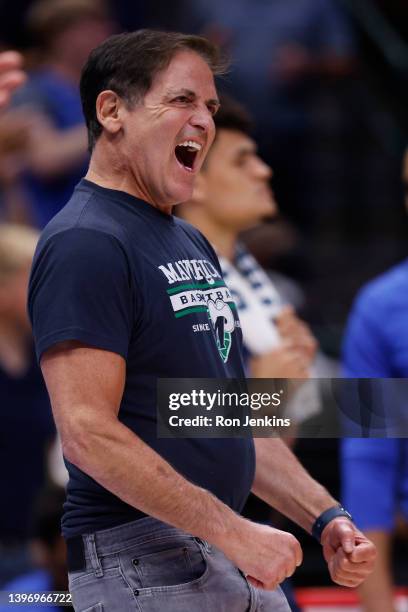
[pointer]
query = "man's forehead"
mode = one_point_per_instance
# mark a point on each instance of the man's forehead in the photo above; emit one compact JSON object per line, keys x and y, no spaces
{"x":235,"y":141}
{"x":188,"y":70}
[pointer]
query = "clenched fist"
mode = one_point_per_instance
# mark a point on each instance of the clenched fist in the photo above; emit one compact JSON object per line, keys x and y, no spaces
{"x":266,"y":555}
{"x":349,"y":554}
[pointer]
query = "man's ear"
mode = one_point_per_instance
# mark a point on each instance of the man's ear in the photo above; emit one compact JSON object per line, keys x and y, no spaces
{"x":108,"y":105}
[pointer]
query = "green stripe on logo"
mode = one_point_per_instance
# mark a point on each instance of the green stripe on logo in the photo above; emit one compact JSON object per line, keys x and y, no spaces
{"x":188,"y":311}
{"x":192,"y":286}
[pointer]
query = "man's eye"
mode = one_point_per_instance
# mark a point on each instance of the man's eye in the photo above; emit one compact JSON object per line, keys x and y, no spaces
{"x":182,"y":99}
{"x":241,"y":161}
{"x":213,"y":108}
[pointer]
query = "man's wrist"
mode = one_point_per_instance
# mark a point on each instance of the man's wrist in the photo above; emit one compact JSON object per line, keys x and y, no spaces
{"x":326,"y":517}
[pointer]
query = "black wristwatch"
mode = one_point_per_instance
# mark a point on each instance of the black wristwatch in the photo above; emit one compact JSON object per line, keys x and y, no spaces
{"x":325,"y":518}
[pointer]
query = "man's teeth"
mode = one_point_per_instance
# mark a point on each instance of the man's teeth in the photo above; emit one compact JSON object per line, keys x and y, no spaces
{"x":192,"y":144}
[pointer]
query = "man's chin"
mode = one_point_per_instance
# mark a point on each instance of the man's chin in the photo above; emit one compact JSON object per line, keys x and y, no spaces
{"x":182,"y":193}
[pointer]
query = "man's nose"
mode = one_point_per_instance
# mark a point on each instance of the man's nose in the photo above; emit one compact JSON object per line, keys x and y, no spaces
{"x":202,"y":118}
{"x":262,"y":170}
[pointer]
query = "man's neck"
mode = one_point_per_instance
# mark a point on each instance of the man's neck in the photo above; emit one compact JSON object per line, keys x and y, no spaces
{"x":105,"y":172}
{"x":223,"y":239}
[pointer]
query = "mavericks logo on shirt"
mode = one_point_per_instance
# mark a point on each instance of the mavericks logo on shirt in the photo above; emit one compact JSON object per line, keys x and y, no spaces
{"x":223,"y":323}
{"x":210,"y":296}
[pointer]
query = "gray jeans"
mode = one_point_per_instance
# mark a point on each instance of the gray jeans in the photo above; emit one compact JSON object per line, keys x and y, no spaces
{"x":148,"y":566}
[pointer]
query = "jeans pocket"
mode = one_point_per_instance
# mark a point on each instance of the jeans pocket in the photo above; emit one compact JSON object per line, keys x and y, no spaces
{"x":169,"y":568}
{"x":74,"y":577}
{"x":78,"y":579}
{"x":96,"y":608}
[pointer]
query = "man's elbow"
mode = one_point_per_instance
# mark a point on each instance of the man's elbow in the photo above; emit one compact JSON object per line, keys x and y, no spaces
{"x":78,"y":439}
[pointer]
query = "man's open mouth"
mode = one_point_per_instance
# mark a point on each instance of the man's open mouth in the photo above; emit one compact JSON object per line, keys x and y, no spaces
{"x":186,"y":153}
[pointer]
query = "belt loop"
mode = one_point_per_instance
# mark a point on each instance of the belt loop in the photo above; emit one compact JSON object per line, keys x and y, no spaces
{"x":207,"y":546}
{"x":204,"y":544}
{"x":93,"y":555}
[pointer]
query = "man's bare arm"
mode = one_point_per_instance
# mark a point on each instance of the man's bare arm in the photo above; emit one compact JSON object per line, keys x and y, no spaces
{"x":52,"y":152}
{"x":283,"y":483}
{"x":86,"y":387}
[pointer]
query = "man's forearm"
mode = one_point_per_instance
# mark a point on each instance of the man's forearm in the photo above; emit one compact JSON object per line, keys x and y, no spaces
{"x":122,"y":463}
{"x":283,"y":483}
{"x":54,"y":153}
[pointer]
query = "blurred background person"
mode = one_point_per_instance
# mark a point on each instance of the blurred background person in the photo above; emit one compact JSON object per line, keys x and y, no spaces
{"x":232,"y":193}
{"x":375,"y":471}
{"x":312,"y":72}
{"x":289,"y":59}
{"x":47,"y":550}
{"x":27,"y":427}
{"x":14,"y":137}
{"x":15,"y":126}
{"x":12,"y":75}
{"x":64,"y":32}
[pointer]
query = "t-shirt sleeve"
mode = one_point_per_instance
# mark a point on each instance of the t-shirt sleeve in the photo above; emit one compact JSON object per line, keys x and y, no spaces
{"x":81,"y":289}
{"x":365,"y":349}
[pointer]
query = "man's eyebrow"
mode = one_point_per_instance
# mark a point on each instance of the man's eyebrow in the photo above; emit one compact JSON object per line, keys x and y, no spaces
{"x":183,"y":91}
{"x":190,"y":94}
{"x":214,"y":101}
{"x":247,"y":149}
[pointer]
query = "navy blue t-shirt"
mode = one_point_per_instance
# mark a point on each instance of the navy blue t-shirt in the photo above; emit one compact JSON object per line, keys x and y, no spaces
{"x":115,"y":273}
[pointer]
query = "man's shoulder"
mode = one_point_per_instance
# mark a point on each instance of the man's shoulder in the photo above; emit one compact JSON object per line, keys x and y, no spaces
{"x":386,"y":290}
{"x":189,"y":229}
{"x":198,"y":238}
{"x":86,"y":213}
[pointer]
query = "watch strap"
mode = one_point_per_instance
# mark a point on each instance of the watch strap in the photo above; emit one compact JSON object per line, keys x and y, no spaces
{"x":326,"y":517}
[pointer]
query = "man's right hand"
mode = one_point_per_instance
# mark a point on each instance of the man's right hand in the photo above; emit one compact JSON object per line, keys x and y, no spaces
{"x":286,"y":361}
{"x":266,"y":555}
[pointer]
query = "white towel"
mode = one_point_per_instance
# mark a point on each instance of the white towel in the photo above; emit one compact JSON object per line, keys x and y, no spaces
{"x":258,"y":303}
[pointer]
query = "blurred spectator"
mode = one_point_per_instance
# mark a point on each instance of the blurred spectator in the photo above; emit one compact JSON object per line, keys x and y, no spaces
{"x":375,"y":471}
{"x":48,"y":552}
{"x":232,"y":194}
{"x":15,"y":126}
{"x":288,"y":60}
{"x":14,"y":132}
{"x":27,"y":425}
{"x":65,"y":31}
{"x":296,"y":64}
{"x":11,"y":75}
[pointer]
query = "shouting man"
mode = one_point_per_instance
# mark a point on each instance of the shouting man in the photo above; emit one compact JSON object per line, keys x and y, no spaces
{"x":153,"y":524}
